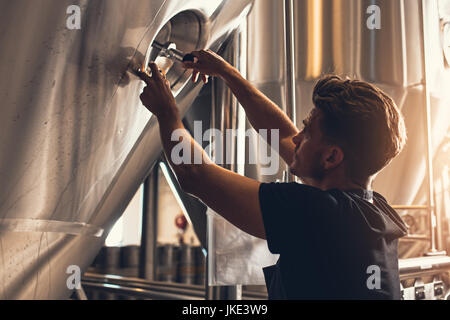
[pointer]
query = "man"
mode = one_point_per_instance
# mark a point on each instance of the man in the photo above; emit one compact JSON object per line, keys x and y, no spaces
{"x":336,"y":238}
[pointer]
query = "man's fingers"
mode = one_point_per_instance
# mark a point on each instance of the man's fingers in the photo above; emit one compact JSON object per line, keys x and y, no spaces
{"x":195,"y":76}
{"x":198,"y":54}
{"x":144,"y":77}
{"x":155,"y":70}
{"x":189,"y":64}
{"x":204,"y":78}
{"x":143,"y":99}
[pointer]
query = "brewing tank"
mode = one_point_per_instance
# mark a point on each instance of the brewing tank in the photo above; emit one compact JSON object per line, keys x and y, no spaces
{"x":76,"y":142}
{"x":291,"y":44}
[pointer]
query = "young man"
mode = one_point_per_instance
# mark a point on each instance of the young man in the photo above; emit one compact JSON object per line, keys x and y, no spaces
{"x":336,"y":238}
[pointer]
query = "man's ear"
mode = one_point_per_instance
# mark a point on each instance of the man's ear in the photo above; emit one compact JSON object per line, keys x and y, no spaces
{"x":333,"y":157}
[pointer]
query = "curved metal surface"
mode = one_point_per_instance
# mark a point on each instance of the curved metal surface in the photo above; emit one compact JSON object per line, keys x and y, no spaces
{"x":75,"y":141}
{"x":35,"y":225}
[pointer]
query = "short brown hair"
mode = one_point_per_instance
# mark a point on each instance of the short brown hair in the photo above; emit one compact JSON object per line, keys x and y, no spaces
{"x":361,"y":119}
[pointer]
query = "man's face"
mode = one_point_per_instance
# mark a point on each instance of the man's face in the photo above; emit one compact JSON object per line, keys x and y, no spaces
{"x":309,"y":149}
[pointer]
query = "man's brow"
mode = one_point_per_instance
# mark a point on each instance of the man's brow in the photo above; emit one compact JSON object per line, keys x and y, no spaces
{"x":306,"y":122}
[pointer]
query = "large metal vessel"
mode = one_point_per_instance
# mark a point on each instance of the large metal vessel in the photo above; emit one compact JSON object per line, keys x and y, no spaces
{"x":75,"y":141}
{"x":291,"y":44}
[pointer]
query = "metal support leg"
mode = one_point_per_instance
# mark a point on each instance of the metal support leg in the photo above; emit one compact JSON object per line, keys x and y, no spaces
{"x":290,"y":71}
{"x":148,"y":257}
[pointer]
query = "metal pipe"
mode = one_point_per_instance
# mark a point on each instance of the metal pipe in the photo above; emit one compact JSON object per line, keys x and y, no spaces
{"x":138,"y":292}
{"x":428,"y":140}
{"x":410,"y":207}
{"x":115,"y":279}
{"x":148,"y":258}
{"x":290,"y":60}
{"x":290,"y":68}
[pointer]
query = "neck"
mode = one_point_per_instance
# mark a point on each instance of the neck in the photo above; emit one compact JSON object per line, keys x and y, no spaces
{"x":341,"y":183}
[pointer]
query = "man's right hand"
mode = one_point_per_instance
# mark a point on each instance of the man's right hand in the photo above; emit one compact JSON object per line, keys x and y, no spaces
{"x":262,"y":112}
{"x":207,"y":63}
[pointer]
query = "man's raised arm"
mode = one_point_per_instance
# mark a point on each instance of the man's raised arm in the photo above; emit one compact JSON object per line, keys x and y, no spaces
{"x":234,"y":197}
{"x":261,"y":111}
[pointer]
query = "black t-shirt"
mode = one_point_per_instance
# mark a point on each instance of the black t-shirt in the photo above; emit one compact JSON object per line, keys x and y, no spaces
{"x":333,"y":244}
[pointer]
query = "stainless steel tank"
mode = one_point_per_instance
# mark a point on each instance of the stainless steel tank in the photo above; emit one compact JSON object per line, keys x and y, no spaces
{"x":75,"y":141}
{"x":405,"y":56}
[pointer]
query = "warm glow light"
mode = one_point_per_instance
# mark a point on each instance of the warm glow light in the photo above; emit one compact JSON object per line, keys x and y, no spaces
{"x":127,"y":230}
{"x":115,"y":236}
{"x":338,"y":24}
{"x":314,"y":37}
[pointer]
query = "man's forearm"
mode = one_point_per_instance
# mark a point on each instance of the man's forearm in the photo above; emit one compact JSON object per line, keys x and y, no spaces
{"x":173,"y":133}
{"x":261,"y":111}
{"x":233,"y":196}
{"x":220,"y":189}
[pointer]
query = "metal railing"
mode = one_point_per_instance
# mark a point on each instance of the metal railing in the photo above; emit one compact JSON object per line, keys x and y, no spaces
{"x":153,"y":290}
{"x":423,"y":266}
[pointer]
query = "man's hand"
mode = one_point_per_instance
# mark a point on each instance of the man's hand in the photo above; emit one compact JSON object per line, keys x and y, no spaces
{"x":207,"y":63}
{"x":157,"y":96}
{"x":220,"y":189}
{"x":262,"y":112}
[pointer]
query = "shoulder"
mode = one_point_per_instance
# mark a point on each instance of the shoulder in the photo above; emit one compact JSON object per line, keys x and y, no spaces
{"x":297,"y":193}
{"x":292,"y":187}
{"x":379,"y":197}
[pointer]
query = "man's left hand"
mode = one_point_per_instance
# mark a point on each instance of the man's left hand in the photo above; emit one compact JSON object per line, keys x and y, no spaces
{"x":157,"y":95}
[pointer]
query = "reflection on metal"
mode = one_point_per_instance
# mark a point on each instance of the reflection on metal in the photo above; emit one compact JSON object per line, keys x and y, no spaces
{"x":76,"y":142}
{"x":266,"y":64}
{"x":33,"y":225}
{"x":426,"y":24}
{"x":193,"y":209}
{"x":446,"y":41}
{"x":331,"y":36}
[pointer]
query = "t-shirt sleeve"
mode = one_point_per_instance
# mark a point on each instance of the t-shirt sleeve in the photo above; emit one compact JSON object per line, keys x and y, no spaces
{"x":292,"y":212}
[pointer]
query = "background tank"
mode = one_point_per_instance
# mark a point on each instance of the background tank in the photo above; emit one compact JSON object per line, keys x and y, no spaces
{"x":405,"y":57}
